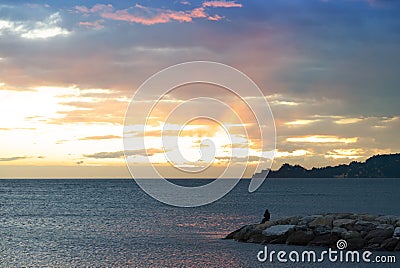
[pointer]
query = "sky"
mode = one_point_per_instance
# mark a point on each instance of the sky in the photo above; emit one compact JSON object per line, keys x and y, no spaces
{"x":69,"y":69}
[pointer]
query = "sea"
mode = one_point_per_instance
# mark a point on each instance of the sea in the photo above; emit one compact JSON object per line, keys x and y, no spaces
{"x":113,"y":223}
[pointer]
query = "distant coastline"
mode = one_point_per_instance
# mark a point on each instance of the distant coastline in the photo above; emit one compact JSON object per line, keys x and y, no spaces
{"x":378,"y":166}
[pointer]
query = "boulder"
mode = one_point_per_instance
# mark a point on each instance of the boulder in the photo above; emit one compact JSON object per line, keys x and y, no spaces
{"x":278,"y":230}
{"x":256,"y":237}
{"x":325,"y":221}
{"x":384,"y":226}
{"x":306,"y":220}
{"x":396,"y":232}
{"x":294,"y":220}
{"x":300,"y":237}
{"x":378,"y":236}
{"x":243,"y":234}
{"x":234,"y":233}
{"x":397,"y":248}
{"x":365,"y":217}
{"x":277,"y":240}
{"x":327,"y":240}
{"x":351,"y":234}
{"x":344,"y":223}
{"x":387,"y":219}
{"x":341,"y":215}
{"x":389,"y":244}
{"x":397,"y":223}
{"x":321,"y":230}
{"x":355,"y":243}
{"x":375,"y":246}
{"x":364,"y":226}
{"x":339,"y":231}
{"x":265,"y":225}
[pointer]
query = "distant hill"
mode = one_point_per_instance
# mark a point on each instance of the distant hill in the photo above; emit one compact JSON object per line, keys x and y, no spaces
{"x":378,"y":166}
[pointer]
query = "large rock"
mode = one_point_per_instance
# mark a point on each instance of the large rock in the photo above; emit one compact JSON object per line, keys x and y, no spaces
{"x":341,"y":215}
{"x":344,"y":223}
{"x":396,"y":232}
{"x":339,"y":231}
{"x":351,"y":234}
{"x":389,"y":244}
{"x":378,"y":236}
{"x":300,"y":237}
{"x":325,"y":221}
{"x":397,"y":248}
{"x":265,"y":225}
{"x":321,"y":230}
{"x":364,"y":226}
{"x":294,"y":220}
{"x":243,"y":234}
{"x":385,"y":226}
{"x":256,"y":236}
{"x":278,"y":230}
{"x":327,"y":240}
{"x":306,"y":220}
{"x":366,"y":217}
{"x":355,"y":243}
{"x":388,"y":219}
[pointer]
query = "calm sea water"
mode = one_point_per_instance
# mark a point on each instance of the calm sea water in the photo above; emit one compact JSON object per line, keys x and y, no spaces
{"x":112,"y":223}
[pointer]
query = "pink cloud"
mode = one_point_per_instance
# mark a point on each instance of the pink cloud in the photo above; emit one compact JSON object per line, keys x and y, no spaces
{"x":215,"y":17}
{"x":162,"y":17}
{"x":92,"y":24}
{"x":198,"y":13}
{"x":150,"y":16}
{"x":221,"y":4}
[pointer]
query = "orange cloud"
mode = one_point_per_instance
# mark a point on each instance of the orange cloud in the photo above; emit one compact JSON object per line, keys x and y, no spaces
{"x":106,"y":137}
{"x":322,"y":139}
{"x":120,"y":154}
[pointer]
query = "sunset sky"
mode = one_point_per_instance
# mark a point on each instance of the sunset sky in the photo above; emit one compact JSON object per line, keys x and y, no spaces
{"x":68,"y":70}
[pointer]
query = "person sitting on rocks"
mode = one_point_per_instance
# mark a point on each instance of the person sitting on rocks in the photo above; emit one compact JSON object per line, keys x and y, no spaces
{"x":267,"y":216}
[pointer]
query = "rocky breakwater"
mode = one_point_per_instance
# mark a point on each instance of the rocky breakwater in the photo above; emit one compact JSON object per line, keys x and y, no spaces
{"x":360,"y":231}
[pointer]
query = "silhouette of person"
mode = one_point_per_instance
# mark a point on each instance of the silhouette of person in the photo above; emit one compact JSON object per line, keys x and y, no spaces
{"x":267,"y":216}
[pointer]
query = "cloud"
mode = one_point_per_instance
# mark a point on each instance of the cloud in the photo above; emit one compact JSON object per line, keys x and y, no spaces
{"x":15,"y":158}
{"x":244,"y":159}
{"x":222,"y":4}
{"x":301,"y":122}
{"x":345,"y":153}
{"x":322,"y":139}
{"x":280,"y":154}
{"x":149,"y":16}
{"x":105,"y":137}
{"x":47,"y":28}
{"x":92,"y":24}
{"x":120,"y":154}
{"x":348,"y":121}
{"x":96,"y":111}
